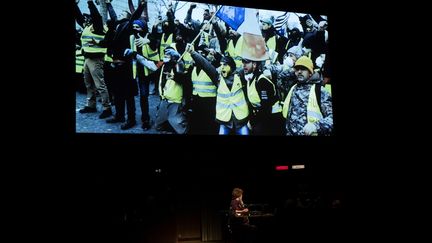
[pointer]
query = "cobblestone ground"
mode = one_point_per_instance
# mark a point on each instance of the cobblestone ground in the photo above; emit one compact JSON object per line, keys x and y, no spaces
{"x":90,"y":122}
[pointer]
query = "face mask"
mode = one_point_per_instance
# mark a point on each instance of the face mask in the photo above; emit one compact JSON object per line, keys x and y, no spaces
{"x":288,"y":63}
{"x":165,"y":60}
{"x":249,"y":76}
{"x":159,"y":29}
{"x":319,"y":62}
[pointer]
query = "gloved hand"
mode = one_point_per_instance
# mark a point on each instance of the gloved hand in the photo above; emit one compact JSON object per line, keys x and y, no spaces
{"x":193,"y":5}
{"x":139,"y":42}
{"x":173,"y":53}
{"x":309,"y":129}
{"x":129,"y":53}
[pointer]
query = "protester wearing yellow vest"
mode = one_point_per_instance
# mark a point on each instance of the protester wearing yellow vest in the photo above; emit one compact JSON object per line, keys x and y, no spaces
{"x":273,"y":41}
{"x":180,"y":47}
{"x":267,"y":118}
{"x":234,"y":50}
{"x":170,"y":109}
{"x":79,"y":77}
{"x":306,"y":113}
{"x":94,"y":54}
{"x":202,"y":118}
{"x":232,"y":110}
{"x":140,"y":44}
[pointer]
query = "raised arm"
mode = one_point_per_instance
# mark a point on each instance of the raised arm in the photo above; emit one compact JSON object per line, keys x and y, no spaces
{"x":96,"y":18}
{"x":201,"y":62}
{"x":111,"y":12}
{"x":78,"y":15}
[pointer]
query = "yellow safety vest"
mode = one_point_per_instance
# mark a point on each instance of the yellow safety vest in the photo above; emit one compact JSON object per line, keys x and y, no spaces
{"x":172,"y":91}
{"x":147,"y":52}
{"x":313,"y":110}
{"x":79,"y":61}
{"x":86,"y":36}
{"x":164,"y":44}
{"x":228,"y":102}
{"x":328,"y":88}
{"x":150,"y":54}
{"x":235,"y":51}
{"x":108,"y":58}
{"x":202,"y":84}
{"x":254,"y":97}
{"x":187,"y":58}
{"x":271,"y":43}
{"x":206,"y":38}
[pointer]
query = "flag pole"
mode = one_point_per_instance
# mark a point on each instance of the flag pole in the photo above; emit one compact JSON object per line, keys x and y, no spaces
{"x":199,"y":34}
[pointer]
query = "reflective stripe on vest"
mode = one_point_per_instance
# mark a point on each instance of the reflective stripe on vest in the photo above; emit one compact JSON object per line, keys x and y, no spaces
{"x":79,"y":61}
{"x":172,"y":91}
{"x":313,"y":110}
{"x":235,"y":51}
{"x":228,"y":102}
{"x":150,"y":54}
{"x":108,"y":58}
{"x":202,"y":84}
{"x":86,"y":38}
{"x":133,"y":47}
{"x":164,"y":44}
{"x":287,"y":44}
{"x":254,"y":97}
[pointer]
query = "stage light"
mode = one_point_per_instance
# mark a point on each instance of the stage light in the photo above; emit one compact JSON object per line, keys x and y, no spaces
{"x":297,"y":167}
{"x":282,"y":167}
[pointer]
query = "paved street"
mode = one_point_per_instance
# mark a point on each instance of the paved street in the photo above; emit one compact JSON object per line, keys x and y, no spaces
{"x":90,"y":122}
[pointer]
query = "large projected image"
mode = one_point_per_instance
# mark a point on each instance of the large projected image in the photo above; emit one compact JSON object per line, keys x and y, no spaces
{"x":176,"y":67}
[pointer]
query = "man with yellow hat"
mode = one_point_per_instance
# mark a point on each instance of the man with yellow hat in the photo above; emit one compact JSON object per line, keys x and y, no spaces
{"x":308,"y":106}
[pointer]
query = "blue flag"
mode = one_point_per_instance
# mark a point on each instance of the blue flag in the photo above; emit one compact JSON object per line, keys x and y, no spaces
{"x":233,"y":16}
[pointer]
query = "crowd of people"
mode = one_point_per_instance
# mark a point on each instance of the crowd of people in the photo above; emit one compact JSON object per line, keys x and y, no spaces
{"x":205,"y":84}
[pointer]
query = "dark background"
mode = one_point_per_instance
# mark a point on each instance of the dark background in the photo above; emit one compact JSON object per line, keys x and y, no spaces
{"x":97,"y":177}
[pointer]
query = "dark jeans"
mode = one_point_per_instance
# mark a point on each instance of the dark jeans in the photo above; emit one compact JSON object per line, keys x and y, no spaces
{"x":203,"y":116}
{"x":144,"y":88}
{"x":120,"y":107}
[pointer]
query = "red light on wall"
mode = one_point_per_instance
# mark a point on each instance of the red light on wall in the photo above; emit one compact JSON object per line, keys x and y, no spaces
{"x":282,"y":167}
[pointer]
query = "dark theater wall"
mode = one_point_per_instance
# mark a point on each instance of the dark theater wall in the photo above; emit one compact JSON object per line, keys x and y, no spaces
{"x":169,"y":189}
